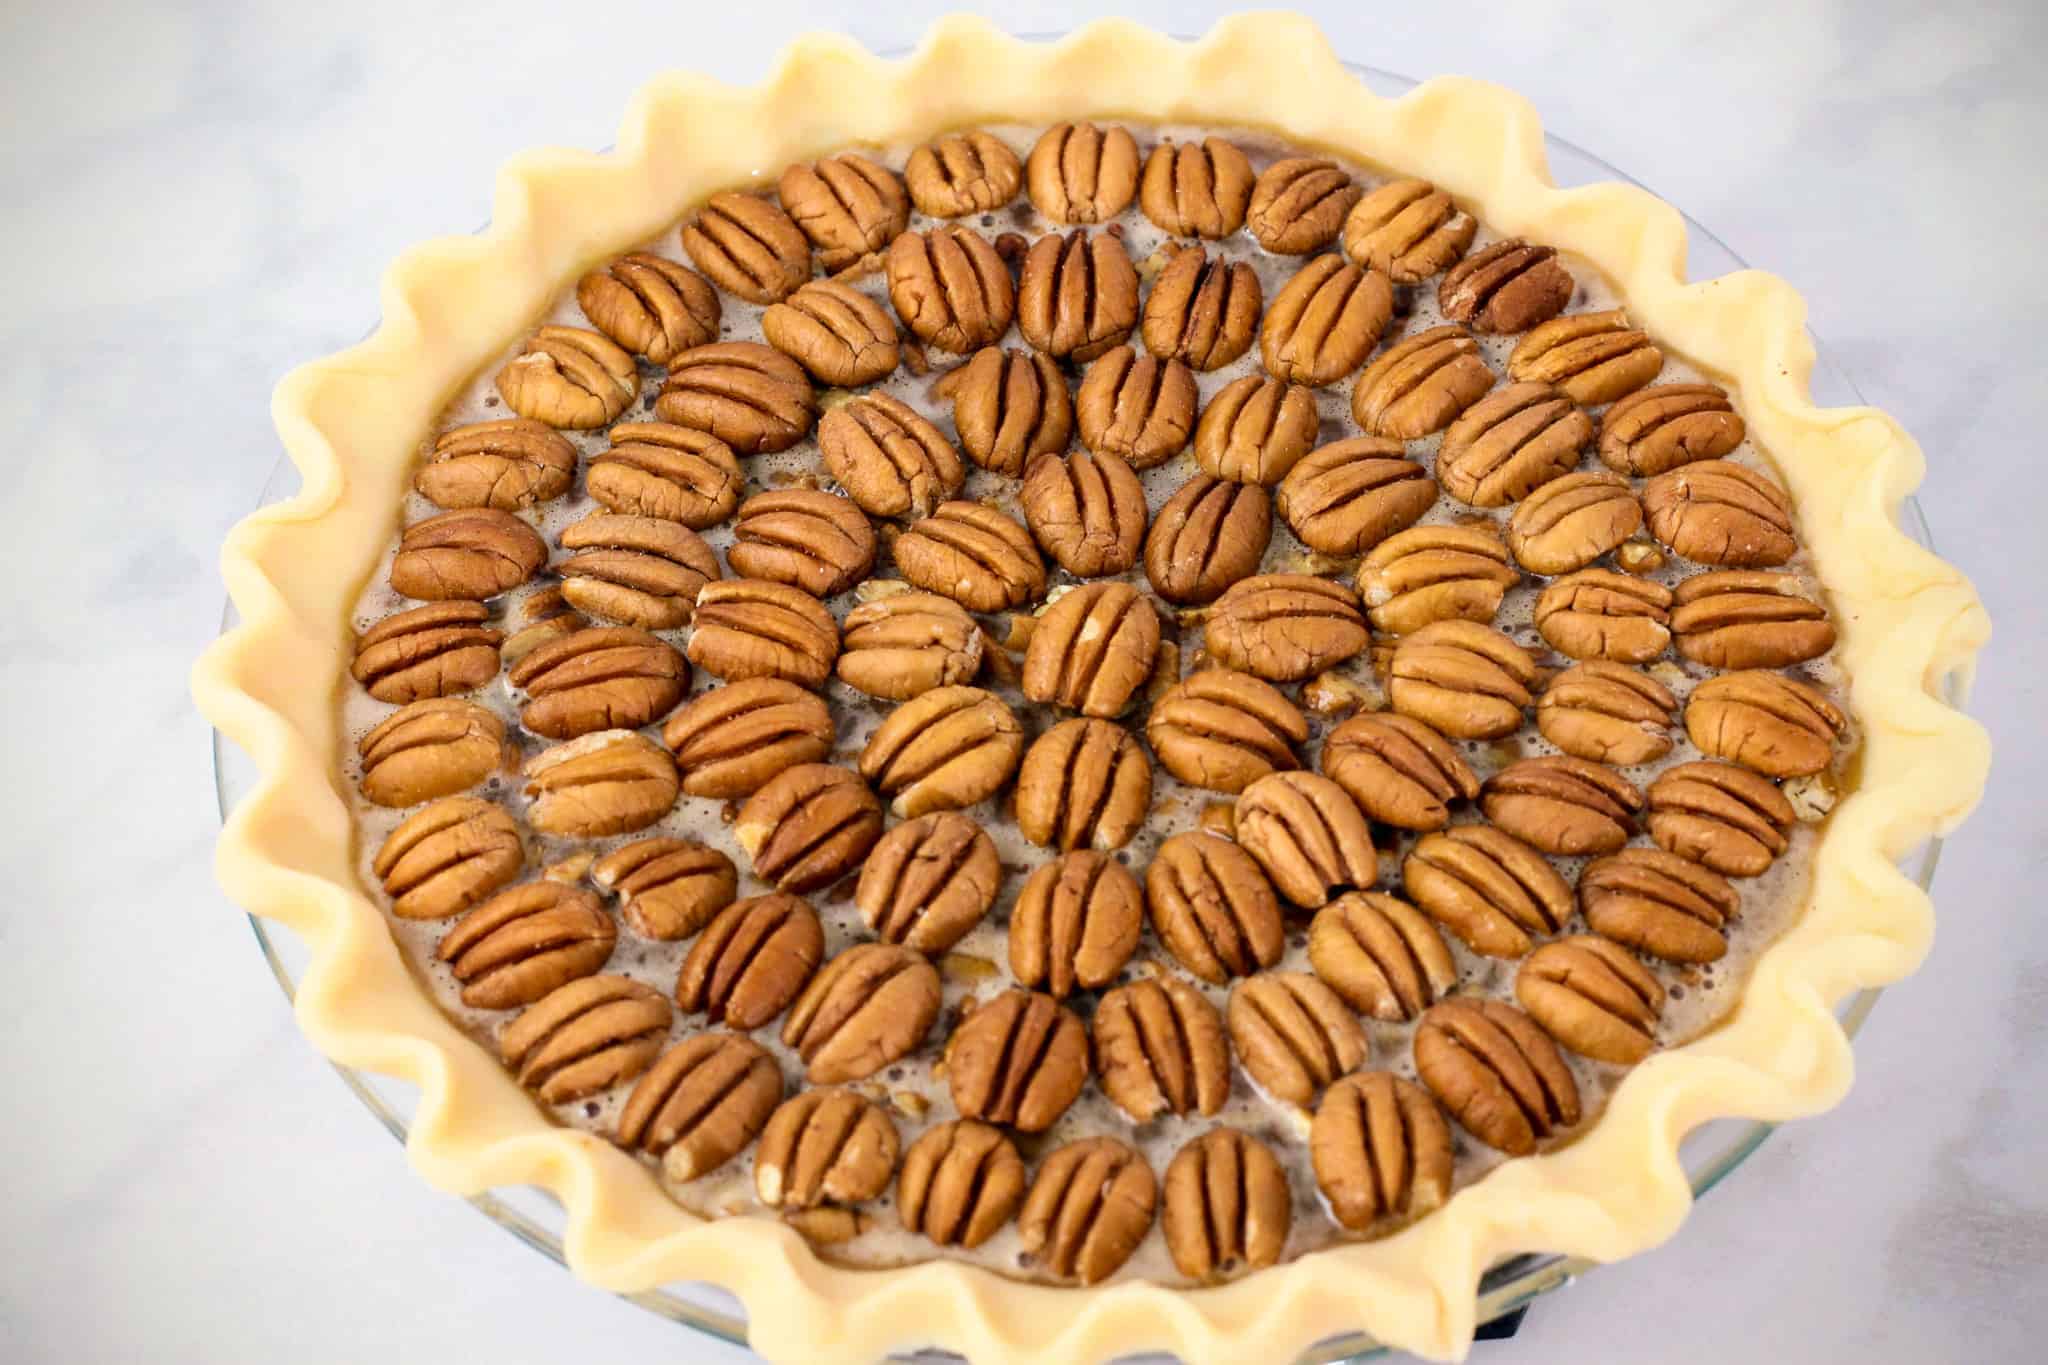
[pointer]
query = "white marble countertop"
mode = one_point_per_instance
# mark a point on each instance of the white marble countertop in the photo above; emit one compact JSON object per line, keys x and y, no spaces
{"x":199,"y":196}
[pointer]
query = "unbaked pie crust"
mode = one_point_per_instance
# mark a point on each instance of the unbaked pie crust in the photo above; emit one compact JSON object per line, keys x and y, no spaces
{"x":351,"y":423}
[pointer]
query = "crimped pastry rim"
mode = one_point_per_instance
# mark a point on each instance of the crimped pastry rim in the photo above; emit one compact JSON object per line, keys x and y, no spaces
{"x":1908,"y":621}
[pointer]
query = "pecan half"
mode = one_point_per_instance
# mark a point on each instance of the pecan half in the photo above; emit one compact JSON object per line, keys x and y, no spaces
{"x":950,"y":747}
{"x":868,"y":1007}
{"x":658,"y":469}
{"x":524,"y":942}
{"x":599,"y":679}
{"x":805,"y":537}
{"x":446,"y":857}
{"x":1299,"y":205}
{"x":1348,"y":496}
{"x":1084,"y":783}
{"x":1435,"y":573}
{"x":1324,"y":321}
{"x":430,"y":748}
{"x":751,"y":961}
{"x":1779,"y":726}
{"x":639,"y":571}
{"x":1600,"y":614}
{"x":1213,"y":908}
{"x":961,"y":1183}
{"x":846,"y":204}
{"x":752,"y":397}
{"x":1569,"y":522}
{"x":1509,"y":286}
{"x":586,"y":1037}
{"x":1222,"y":730}
{"x":1087,"y":511}
{"x":1608,"y":713}
{"x":1408,"y":229}
{"x":1201,"y":311}
{"x":1398,"y":770}
{"x":1010,"y":406}
{"x":1720,"y":513}
{"x":1510,"y":443}
{"x":701,"y":1104}
{"x":468,"y":554}
{"x":1497,"y":1072}
{"x":1381,"y":955}
{"x":1594,"y":357}
{"x":1210,"y":534}
{"x":1076,"y":924}
{"x":1285,"y":627}
{"x":1489,"y":888}
{"x":1159,"y":1049}
{"x":748,"y":247}
{"x":956,"y":174}
{"x":1562,"y":805}
{"x":430,"y":651}
{"x":1089,"y":1207}
{"x":1381,"y":1150}
{"x":1019,"y":1060}
{"x":903,"y":646}
{"x":610,"y":782}
{"x":1722,"y":816}
{"x":650,"y":305}
{"x":1593,"y":997}
{"x":928,"y":881}
{"x":892,"y":461}
{"x":1080,"y":173}
{"x":950,"y":288}
{"x":508,"y":464}
{"x":1092,"y":650}
{"x":825,"y":1145}
{"x":840,"y":335}
{"x":1737,"y":618}
{"x":569,"y":377}
{"x":751,"y":628}
{"x":973,"y":554}
{"x":1078,"y":296}
{"x":1308,"y":834}
{"x":667,"y":888}
{"x":1256,"y":429}
{"x":1138,"y":408}
{"x":1293,"y":1035}
{"x":1657,"y":429}
{"x":808,"y":826}
{"x":729,"y":741}
{"x":1659,"y":903}
{"x":1196,"y":189}
{"x":1227,"y":1205}
{"x":1467,"y":680}
{"x":1420,"y":386}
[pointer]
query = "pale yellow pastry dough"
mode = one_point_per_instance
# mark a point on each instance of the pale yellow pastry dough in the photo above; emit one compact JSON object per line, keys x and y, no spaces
{"x":352,"y":424}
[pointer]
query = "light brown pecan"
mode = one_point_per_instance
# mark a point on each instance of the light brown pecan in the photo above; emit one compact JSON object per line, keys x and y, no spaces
{"x":658,"y":469}
{"x":1659,"y":903}
{"x":1419,"y":386}
{"x":1196,"y":189}
{"x":1308,"y":834}
{"x":748,"y":247}
{"x":1019,"y":1060}
{"x":431,"y":651}
{"x":1657,"y":429}
{"x":956,"y":174}
{"x":1222,"y":730}
{"x":1725,"y":817}
{"x":1776,"y":725}
{"x":1227,"y":1205}
{"x":1081,"y":173}
{"x":569,"y":377}
{"x":586,"y":1037}
{"x":1380,"y":954}
{"x":805,"y":537}
{"x":945,"y":749}
{"x":1084,"y":783}
{"x":870,"y":1005}
{"x":730,"y":740}
{"x":905,"y":645}
{"x":469,"y":554}
{"x":1324,"y":321}
{"x":1435,"y":573}
{"x":892,"y":462}
{"x":430,"y":748}
{"x":751,"y":628}
{"x":1210,"y":534}
{"x":1497,"y":1072}
{"x":929,"y":881}
{"x":1608,"y":713}
{"x":1348,"y":496}
{"x":1076,"y":923}
{"x":639,"y":571}
{"x":846,"y":204}
{"x":1089,"y":1207}
{"x":1138,"y":408}
{"x":973,"y":554}
{"x":825,"y":1145}
{"x":752,"y":397}
{"x":1600,"y":614}
{"x":1467,"y":680}
{"x":1255,"y":430}
{"x":1562,"y":805}
{"x":961,"y":1183}
{"x":701,"y":1104}
{"x":1299,"y":205}
{"x":610,"y":782}
{"x":1594,"y":357}
{"x":840,"y":335}
{"x":667,"y":888}
{"x":1569,"y":522}
{"x":1010,"y":406}
{"x":543,"y":615}
{"x":1087,"y":511}
{"x":508,"y":464}
{"x":1510,"y":443}
{"x":1293,"y":1035}
{"x":1285,"y":627}
{"x":1092,"y":650}
{"x":751,"y":961}
{"x":1160,"y":1048}
{"x":1720,"y":513}
{"x":1408,"y":229}
{"x":1592,"y":996}
{"x":1746,"y":618}
{"x":808,"y":826}
{"x":1509,"y":286}
{"x":1213,"y":908}
{"x":599,"y":679}
{"x":650,"y":305}
{"x":1381,"y":1150}
{"x":1399,"y":771}
{"x":950,"y":288}
{"x":524,"y":942}
{"x":1202,"y":312}
{"x":446,"y":857}
{"x":1078,"y":296}
{"x":1489,"y":888}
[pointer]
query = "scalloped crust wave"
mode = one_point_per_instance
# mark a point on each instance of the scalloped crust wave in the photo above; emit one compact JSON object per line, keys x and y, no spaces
{"x":351,"y":424}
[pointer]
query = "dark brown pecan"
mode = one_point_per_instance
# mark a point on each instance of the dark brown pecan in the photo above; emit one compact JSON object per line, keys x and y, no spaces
{"x":522,"y":943}
{"x":834,"y":331}
{"x":1019,"y":1060}
{"x":1009,"y":406}
{"x":903,"y":646}
{"x":749,"y":247}
{"x":599,"y":679}
{"x":1084,"y":783}
{"x":1078,"y":296}
{"x":846,"y":204}
{"x":1497,"y":1072}
{"x":1419,"y":387}
{"x":1467,"y":680}
{"x":1489,"y":888}
{"x":1293,"y":1035}
{"x":1608,"y":713}
{"x":1299,"y":204}
{"x":1213,"y":908}
{"x":667,"y":888}
{"x":432,"y":651}
{"x":805,"y":537}
{"x":752,"y":397}
{"x":729,"y":741}
{"x":1776,"y":725}
{"x":825,"y":1145}
{"x":569,"y":377}
{"x":1196,"y":189}
{"x":961,"y":1183}
{"x":701,"y":1104}
{"x":611,"y":782}
{"x":1510,"y":443}
{"x":639,"y":571}
{"x":446,"y":857}
{"x":586,"y":1037}
{"x":1222,"y":730}
{"x":1658,"y":429}
{"x":1381,"y":1150}
{"x":1201,"y":311}
{"x":1435,"y":573}
{"x":1227,"y":1205}
{"x":1139,"y":408}
{"x":1381,"y":954}
{"x":508,"y":464}
{"x":1659,"y":903}
{"x":870,"y":1005}
{"x":1507,"y":287}
{"x":973,"y":554}
{"x":1210,"y":534}
{"x":1255,"y":429}
{"x":1092,"y":650}
{"x":1600,"y":614}
{"x":1089,"y":1207}
{"x":1087,"y":511}
{"x":468,"y":554}
{"x":751,"y":961}
{"x":1409,"y":229}
{"x":1324,"y":321}
{"x":950,"y":288}
{"x":1720,"y":513}
{"x":1308,"y":834}
{"x":430,"y":748}
{"x":891,"y":461}
{"x":950,"y":747}
{"x":1160,"y":1048}
{"x":658,"y":469}
{"x":1076,"y":923}
{"x":1594,"y":997}
{"x":1738,"y":618}
{"x":650,"y":305}
{"x":1562,"y":805}
{"x":1399,"y":771}
{"x":1594,"y":357}
{"x":750,"y":628}
{"x":1725,"y":817}
{"x":956,"y":174}
{"x":1348,"y":496}
{"x":1080,"y":173}
{"x":1285,"y":627}
{"x":1572,"y":521}
{"x":808,"y":826}
{"x":929,"y":881}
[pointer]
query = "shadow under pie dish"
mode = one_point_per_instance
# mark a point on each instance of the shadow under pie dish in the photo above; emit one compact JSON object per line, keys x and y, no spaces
{"x":1900,"y":618}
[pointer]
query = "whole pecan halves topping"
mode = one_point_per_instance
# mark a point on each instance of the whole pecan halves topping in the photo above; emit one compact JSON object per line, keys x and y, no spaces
{"x":1196,"y":189}
{"x":1081,"y":173}
{"x":869,"y":1006}
{"x":1497,"y":1072}
{"x":1160,"y":1048}
{"x":808,"y":826}
{"x":446,"y":857}
{"x":840,"y":335}
{"x":748,"y":246}
{"x":638,"y":571}
{"x":1092,"y":650}
{"x":524,"y":942}
{"x":469,"y":554}
{"x":1256,"y":429}
{"x":950,"y":747}
{"x":1308,"y":834}
{"x":1078,"y":296}
{"x":888,"y":457}
{"x":1201,"y":311}
{"x":730,"y":740}
{"x":1659,"y":903}
{"x":430,"y":748}
{"x":1213,"y":908}
{"x":904,"y":645}
{"x":1381,"y":954}
{"x":650,"y":305}
{"x":846,"y":204}
{"x":1294,"y":1035}
{"x":1721,"y":816}
{"x":929,"y":880}
{"x":961,"y":173}
{"x":1223,"y":730}
{"x":1299,"y":205}
{"x":659,"y":469}
{"x":1591,"y":995}
{"x":825,"y":1145}
{"x":1086,"y":510}
{"x":1076,"y":924}
{"x":1090,"y":1206}
{"x":1408,"y":228}
{"x":1509,"y":286}
{"x":1019,"y":1059}
{"x":431,"y":651}
{"x":1227,"y":1205}
{"x":1324,"y":321}
{"x":701,"y":1104}
{"x":751,"y":961}
{"x":1435,"y":573}
{"x":950,"y":288}
{"x":602,"y":678}
{"x":750,"y":396}
{"x":586,"y":1037}
{"x":751,"y":628}
{"x":1778,"y":726}
{"x":508,"y":464}
{"x":1399,"y":770}
{"x":805,"y":537}
{"x":1010,"y":407}
{"x":570,"y":377}
{"x":1486,"y":886}
{"x":667,"y":888}
{"x":1211,"y":534}
{"x":1381,"y":1150}
{"x":961,"y":1182}
{"x":1084,"y":783}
